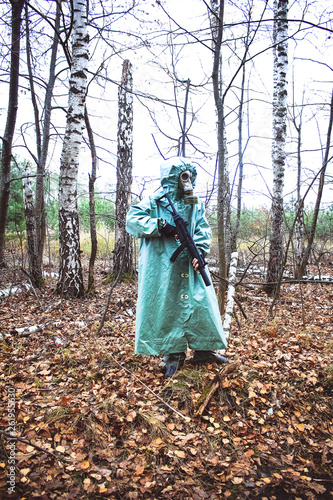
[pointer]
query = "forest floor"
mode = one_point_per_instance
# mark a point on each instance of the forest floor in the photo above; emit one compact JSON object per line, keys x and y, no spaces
{"x":94,"y":421}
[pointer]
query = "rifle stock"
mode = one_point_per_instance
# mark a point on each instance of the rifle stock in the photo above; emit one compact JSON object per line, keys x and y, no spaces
{"x":186,"y":240}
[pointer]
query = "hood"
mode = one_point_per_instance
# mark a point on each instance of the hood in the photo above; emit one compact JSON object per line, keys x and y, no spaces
{"x":170,"y":170}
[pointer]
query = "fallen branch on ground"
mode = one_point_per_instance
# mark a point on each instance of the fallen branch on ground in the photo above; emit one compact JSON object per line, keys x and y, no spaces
{"x":213,"y":386}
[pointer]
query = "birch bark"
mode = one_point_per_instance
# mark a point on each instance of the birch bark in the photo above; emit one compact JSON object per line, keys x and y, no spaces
{"x":279,"y":141}
{"x":231,"y":294}
{"x":70,"y":283}
{"x":123,"y":241}
{"x":30,"y":223}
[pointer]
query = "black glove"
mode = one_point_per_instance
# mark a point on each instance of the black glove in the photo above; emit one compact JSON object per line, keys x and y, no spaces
{"x":167,"y":229}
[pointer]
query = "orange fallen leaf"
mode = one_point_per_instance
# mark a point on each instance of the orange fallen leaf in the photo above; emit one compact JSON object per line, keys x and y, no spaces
{"x":139,"y":470}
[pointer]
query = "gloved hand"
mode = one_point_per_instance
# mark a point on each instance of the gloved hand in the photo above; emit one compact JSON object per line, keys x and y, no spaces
{"x":167,"y":229}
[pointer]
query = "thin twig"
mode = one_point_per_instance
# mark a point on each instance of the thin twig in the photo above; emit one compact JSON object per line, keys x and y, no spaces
{"x":113,"y":285}
{"x":240,"y":307}
{"x":33,"y":288}
{"x":214,"y":385}
{"x":16,"y":438}
{"x":150,"y":390}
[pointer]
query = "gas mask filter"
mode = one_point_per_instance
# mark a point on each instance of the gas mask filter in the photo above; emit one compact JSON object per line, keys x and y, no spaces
{"x":185,"y":184}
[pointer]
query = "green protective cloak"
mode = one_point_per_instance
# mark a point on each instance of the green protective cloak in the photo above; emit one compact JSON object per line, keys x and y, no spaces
{"x":175,"y":309}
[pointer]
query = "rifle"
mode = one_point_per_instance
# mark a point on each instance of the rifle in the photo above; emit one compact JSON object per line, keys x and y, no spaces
{"x":186,"y":240}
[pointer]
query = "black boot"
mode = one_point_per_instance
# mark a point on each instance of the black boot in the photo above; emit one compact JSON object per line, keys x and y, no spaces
{"x":203,"y":357}
{"x":174,"y":362}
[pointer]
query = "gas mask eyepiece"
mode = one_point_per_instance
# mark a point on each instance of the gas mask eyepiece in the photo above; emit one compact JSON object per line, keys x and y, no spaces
{"x":185,"y":184}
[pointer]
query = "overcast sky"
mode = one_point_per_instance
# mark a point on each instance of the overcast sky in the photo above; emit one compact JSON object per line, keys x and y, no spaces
{"x":309,"y":81}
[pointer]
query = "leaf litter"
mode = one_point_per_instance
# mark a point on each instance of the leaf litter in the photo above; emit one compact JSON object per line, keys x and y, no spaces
{"x":94,"y":421}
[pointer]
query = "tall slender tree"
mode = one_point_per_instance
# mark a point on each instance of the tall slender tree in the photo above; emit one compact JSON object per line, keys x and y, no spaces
{"x":92,"y":215}
{"x":42,"y":127}
{"x":30,"y":223}
{"x":123,"y":253}
{"x":280,"y":51}
{"x":217,"y":16}
{"x":326,"y":159}
{"x":299,"y":203}
{"x":70,"y":283}
{"x":7,"y":141}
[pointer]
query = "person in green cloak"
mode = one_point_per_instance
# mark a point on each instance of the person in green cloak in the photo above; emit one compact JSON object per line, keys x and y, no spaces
{"x":175,"y":309}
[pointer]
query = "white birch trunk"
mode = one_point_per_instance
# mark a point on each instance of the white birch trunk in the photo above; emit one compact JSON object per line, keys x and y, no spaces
{"x":279,"y":141}
{"x":70,"y":282}
{"x":231,"y":293}
{"x":30,"y":223}
{"x":123,"y":241}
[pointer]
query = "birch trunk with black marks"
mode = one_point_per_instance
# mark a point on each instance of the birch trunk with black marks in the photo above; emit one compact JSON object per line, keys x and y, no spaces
{"x":35,"y":269}
{"x":70,"y":283}
{"x":123,"y":251}
{"x":279,"y":142}
{"x":7,"y":140}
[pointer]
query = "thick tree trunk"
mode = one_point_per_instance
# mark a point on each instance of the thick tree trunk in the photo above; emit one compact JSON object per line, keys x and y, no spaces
{"x":70,"y":282}
{"x":30,"y":222}
{"x":6,"y":153}
{"x":123,"y":242}
{"x":279,"y":140}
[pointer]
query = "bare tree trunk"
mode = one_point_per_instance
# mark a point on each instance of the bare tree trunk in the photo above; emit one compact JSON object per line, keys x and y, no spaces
{"x":182,"y":143}
{"x":123,"y":241}
{"x":279,"y":140}
{"x":92,"y":218}
{"x":41,"y":165}
{"x":320,"y":192}
{"x":222,"y":201}
{"x":30,"y":222}
{"x":299,"y":223}
{"x":240,"y":165}
{"x":70,"y":283}
{"x":6,"y":153}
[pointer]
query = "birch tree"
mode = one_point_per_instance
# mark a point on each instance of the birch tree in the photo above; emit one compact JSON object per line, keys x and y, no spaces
{"x":30,"y":223}
{"x":299,"y":203}
{"x":280,"y":53}
{"x":42,"y":127}
{"x":7,"y":141}
{"x":123,"y":254}
{"x":70,"y":283}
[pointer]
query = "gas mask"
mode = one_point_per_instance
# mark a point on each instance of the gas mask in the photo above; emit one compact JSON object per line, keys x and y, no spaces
{"x":185,"y":184}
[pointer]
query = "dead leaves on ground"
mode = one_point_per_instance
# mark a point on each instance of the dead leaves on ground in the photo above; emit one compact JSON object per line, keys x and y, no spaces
{"x":265,"y":432}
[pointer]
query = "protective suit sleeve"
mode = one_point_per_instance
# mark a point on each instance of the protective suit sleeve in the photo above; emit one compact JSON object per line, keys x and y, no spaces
{"x":140,"y":223}
{"x":202,"y":233}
